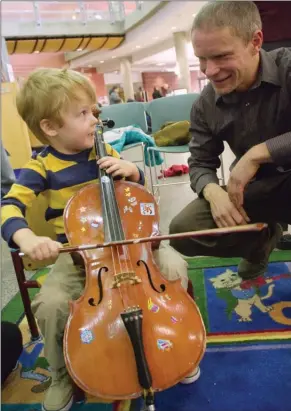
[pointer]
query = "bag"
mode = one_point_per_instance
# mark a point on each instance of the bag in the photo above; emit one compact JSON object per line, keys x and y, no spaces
{"x":173,"y":134}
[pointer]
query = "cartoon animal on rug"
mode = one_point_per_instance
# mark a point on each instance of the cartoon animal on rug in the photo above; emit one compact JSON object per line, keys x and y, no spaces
{"x":241,"y":296}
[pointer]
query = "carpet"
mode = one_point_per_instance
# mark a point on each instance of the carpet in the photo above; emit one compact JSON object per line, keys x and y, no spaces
{"x":247,"y":365}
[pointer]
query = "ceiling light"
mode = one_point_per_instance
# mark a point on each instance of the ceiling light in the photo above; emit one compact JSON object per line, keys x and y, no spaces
{"x":102,"y":61}
{"x":79,"y":49}
{"x":137,"y":47}
{"x":155,"y":38}
{"x":160,"y":64}
{"x":90,"y":65}
{"x":193,"y":15}
{"x":98,"y":17}
{"x":74,"y":17}
{"x":36,"y":51}
{"x":174,"y":28}
{"x":113,"y":57}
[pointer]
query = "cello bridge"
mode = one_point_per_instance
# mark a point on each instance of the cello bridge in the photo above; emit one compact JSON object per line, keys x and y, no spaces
{"x":126,"y":277}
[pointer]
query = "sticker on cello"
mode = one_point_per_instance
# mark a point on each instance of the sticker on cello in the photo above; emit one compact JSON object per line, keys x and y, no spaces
{"x":153,"y":307}
{"x":164,"y":345}
{"x":147,"y":208}
{"x":86,"y":336}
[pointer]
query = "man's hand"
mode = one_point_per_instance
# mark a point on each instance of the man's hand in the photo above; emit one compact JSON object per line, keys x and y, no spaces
{"x":244,"y":171}
{"x":223,"y":211}
{"x":35,"y":247}
{"x":118,"y":167}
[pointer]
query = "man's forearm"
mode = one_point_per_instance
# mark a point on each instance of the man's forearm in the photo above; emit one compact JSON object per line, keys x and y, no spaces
{"x":259,"y":154}
{"x":280,"y":149}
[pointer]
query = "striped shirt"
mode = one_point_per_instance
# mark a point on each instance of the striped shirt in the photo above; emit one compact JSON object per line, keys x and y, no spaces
{"x":243,"y":120}
{"x":58,"y":177}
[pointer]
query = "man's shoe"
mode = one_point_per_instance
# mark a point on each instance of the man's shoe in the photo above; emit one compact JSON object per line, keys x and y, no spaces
{"x":59,"y":396}
{"x":192,"y":377}
{"x":285,"y":242}
{"x":256,"y":265}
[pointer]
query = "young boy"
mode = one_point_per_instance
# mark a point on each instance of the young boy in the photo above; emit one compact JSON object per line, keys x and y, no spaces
{"x":57,"y":106}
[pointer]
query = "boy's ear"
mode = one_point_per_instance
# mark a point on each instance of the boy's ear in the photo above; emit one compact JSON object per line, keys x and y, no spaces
{"x":48,"y":127}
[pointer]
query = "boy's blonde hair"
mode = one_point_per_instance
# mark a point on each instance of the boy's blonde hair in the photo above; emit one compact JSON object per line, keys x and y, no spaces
{"x":46,"y":94}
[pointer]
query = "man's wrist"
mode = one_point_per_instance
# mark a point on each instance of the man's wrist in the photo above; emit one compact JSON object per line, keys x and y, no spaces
{"x":259,"y":154}
{"x":209,"y":190}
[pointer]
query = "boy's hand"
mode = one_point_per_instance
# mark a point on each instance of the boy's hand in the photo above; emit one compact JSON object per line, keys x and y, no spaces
{"x":35,"y":247}
{"x":118,"y":167}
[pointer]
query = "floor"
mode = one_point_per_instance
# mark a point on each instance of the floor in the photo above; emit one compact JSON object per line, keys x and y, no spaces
{"x":172,"y":200}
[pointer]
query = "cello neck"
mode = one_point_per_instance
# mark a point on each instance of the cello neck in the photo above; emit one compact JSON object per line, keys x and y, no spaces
{"x":113,"y":230}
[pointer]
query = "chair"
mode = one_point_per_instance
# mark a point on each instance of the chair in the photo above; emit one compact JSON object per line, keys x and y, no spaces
{"x":162,"y":110}
{"x":36,"y":221}
{"x":124,"y":115}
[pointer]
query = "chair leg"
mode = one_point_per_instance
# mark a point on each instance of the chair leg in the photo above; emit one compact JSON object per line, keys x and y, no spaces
{"x":20,"y":275}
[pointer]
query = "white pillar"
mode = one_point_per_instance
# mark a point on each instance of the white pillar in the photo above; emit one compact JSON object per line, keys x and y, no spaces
{"x":125,"y":70}
{"x":184,"y":77}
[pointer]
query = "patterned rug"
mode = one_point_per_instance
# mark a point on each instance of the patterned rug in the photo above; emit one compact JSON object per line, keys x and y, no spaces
{"x":247,"y":366}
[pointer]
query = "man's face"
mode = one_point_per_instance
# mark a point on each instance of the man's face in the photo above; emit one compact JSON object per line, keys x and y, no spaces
{"x":226,"y":60}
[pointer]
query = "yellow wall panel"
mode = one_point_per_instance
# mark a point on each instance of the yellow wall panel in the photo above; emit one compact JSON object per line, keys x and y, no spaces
{"x":25,"y":46}
{"x":14,"y":131}
{"x":113,"y":42}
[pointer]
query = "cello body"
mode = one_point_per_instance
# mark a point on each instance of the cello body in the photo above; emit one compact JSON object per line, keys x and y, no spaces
{"x":132,"y":329}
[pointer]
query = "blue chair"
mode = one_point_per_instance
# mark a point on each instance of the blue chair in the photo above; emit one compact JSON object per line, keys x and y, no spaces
{"x":162,"y":110}
{"x":124,"y":115}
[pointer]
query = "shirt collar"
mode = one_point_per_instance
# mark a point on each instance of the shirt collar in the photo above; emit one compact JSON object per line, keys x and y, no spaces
{"x":268,"y":73}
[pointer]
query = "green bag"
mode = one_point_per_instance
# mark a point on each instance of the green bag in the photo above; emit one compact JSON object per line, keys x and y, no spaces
{"x":173,"y":134}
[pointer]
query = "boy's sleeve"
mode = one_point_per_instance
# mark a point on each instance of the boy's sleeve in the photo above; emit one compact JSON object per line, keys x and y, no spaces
{"x":31,"y":182}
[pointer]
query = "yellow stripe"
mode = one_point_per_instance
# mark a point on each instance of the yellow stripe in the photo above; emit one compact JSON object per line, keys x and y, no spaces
{"x":22,"y":193}
{"x":283,"y":335}
{"x":10,"y":211}
{"x":59,"y":198}
{"x":37,"y":166}
{"x":55,"y":164}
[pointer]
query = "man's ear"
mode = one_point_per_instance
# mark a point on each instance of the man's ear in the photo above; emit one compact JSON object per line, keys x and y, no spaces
{"x":48,"y":127}
{"x":257,"y":41}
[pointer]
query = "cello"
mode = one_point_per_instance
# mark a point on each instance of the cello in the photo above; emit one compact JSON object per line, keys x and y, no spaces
{"x":132,"y":332}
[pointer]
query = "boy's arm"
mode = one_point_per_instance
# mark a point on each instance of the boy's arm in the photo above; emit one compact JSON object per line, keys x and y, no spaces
{"x":31,"y":182}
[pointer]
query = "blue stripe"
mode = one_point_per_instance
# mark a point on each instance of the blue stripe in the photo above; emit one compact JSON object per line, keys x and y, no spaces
{"x":62,"y":238}
{"x":71,"y":176}
{"x":10,"y":227}
{"x":14,"y":201}
{"x":33,"y":180}
{"x":53,"y":213}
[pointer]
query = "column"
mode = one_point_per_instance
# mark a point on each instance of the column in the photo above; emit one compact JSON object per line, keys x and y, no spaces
{"x":6,"y":68}
{"x":184,"y":77}
{"x":125,"y":70}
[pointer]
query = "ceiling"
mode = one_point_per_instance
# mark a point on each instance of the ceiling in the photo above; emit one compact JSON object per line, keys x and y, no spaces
{"x":149,"y":43}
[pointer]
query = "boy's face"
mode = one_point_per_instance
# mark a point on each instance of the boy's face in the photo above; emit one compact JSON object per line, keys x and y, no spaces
{"x":77,"y":132}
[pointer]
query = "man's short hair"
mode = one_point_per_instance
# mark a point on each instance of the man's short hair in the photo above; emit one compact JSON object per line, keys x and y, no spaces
{"x":242,"y":17}
{"x":47,"y":92}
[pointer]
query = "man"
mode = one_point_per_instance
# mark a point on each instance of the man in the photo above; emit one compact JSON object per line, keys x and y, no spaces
{"x":248,"y":104}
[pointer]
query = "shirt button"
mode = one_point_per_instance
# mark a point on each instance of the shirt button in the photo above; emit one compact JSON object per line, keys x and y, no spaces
{"x":247,"y":104}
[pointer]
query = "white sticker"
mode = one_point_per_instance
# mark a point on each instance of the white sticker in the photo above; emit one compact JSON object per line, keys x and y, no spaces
{"x":147,"y":208}
{"x":87,"y":336}
{"x":127,"y":209}
{"x":105,"y":179}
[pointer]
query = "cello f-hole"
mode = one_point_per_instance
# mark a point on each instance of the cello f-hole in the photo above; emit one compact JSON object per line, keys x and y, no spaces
{"x":91,"y":301}
{"x":162,"y":286}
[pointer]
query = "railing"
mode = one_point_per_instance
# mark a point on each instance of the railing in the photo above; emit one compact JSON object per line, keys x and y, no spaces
{"x":67,"y":11}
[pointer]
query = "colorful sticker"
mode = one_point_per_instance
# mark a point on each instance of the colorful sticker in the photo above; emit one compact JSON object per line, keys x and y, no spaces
{"x":83,"y":219}
{"x":83,"y":209}
{"x":94,"y":224}
{"x":132,"y":201}
{"x":164,"y":345}
{"x":174,"y":319}
{"x":147,"y":208}
{"x":163,"y":299}
{"x":83,"y":229}
{"x":153,"y":307}
{"x":86,"y":336}
{"x":168,"y":297}
{"x":109,"y":304}
{"x":126,"y":209}
{"x":127,"y":189}
{"x":128,"y":194}
{"x":135,"y":235}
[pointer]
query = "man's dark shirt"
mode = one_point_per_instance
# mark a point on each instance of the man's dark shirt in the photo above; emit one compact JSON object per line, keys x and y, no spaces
{"x":243,"y":120}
